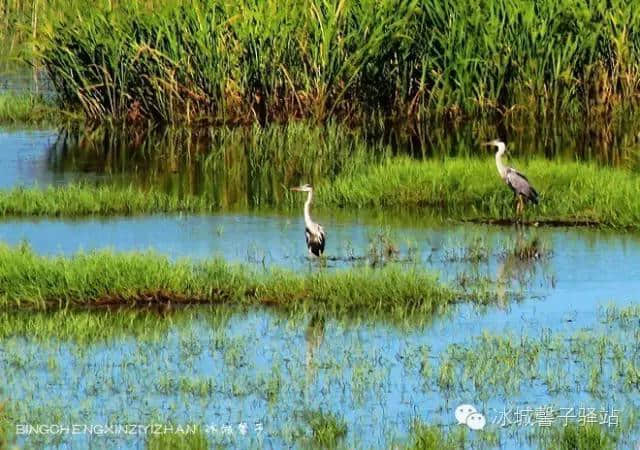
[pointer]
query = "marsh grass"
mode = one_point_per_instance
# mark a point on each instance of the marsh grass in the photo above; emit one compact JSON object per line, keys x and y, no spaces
{"x":623,"y":316}
{"x":327,"y":429}
{"x":27,"y":109}
{"x":273,"y":61}
{"x":474,"y":251}
{"x":102,"y":279}
{"x":460,"y":189}
{"x":433,"y":437}
{"x":597,"y":363}
{"x":6,"y":432}
{"x":578,"y":437}
{"x":470,"y":189}
{"x":179,"y":441}
{"x":86,"y":199}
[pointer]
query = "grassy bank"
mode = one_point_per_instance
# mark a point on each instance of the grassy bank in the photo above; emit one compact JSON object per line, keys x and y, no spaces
{"x":471,"y":189}
{"x":459,"y":189}
{"x":245,"y":61}
{"x":111,"y":279}
{"x":85,"y":199}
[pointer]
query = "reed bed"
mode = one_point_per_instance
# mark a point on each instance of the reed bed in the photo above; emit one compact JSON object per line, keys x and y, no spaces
{"x":248,"y":61}
{"x":106,"y":279}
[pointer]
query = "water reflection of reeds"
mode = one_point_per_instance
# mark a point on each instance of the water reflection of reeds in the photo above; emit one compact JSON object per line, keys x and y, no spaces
{"x":252,"y":166}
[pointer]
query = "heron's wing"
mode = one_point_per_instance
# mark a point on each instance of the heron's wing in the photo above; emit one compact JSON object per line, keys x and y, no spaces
{"x":520,"y":184}
{"x":520,"y":174}
{"x":517,"y":181}
{"x":315,"y":233}
{"x":322,"y":238}
{"x":315,"y":236}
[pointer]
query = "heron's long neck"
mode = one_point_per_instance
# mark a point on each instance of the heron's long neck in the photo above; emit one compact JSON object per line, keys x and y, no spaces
{"x":502,"y":170}
{"x":307,"y":210}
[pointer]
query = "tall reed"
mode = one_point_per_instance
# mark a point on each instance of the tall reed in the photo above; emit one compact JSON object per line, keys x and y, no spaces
{"x":250,"y":61}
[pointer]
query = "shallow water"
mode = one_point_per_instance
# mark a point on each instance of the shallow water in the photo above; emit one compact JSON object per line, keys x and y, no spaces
{"x":261,"y":369}
{"x":24,"y":158}
{"x":360,"y":370}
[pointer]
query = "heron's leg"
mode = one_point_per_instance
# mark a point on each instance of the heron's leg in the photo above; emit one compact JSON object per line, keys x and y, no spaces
{"x":520,"y":206}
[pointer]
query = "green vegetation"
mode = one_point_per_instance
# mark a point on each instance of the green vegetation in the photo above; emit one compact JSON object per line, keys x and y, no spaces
{"x":108,"y":279}
{"x":179,"y":441}
{"x":569,"y":437}
{"x":555,"y":362}
{"x":327,"y":429}
{"x":6,"y":433}
{"x":83,"y":199}
{"x":156,"y":363}
{"x":576,"y":437}
{"x":27,"y":109}
{"x":462,"y":189}
{"x":102,"y":325}
{"x":245,"y":61}
{"x":471,"y":189}
{"x":433,"y":437}
{"x":235,"y":168}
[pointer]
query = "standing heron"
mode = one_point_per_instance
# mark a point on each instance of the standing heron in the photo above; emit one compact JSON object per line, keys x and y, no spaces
{"x":313,"y":232}
{"x":518,"y":183}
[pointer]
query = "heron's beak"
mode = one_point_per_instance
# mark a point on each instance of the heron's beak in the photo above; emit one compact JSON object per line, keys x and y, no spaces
{"x":297,"y":189}
{"x":487,"y":144}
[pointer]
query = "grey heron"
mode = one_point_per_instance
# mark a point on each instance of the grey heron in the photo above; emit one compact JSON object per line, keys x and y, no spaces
{"x":518,"y":183}
{"x":314,"y":233}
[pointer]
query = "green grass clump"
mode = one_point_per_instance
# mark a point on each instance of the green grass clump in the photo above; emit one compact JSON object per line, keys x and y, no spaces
{"x":111,"y":279}
{"x":328,"y":430}
{"x":179,"y":441}
{"x":248,"y":61}
{"x":471,"y":189}
{"x":85,"y":199}
{"x":26,"y":108}
{"x":433,"y":437}
{"x":578,"y":437}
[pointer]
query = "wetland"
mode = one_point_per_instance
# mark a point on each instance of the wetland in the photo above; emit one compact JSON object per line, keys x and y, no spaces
{"x":155,"y":286}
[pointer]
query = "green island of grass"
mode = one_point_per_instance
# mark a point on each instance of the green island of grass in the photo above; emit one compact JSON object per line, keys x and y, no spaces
{"x":464,"y":189}
{"x":107,"y":279}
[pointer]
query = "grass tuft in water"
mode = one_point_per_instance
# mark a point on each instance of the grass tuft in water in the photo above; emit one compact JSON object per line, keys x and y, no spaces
{"x":327,"y":429}
{"x":578,"y":437}
{"x":179,"y":441}
{"x":433,"y":437}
